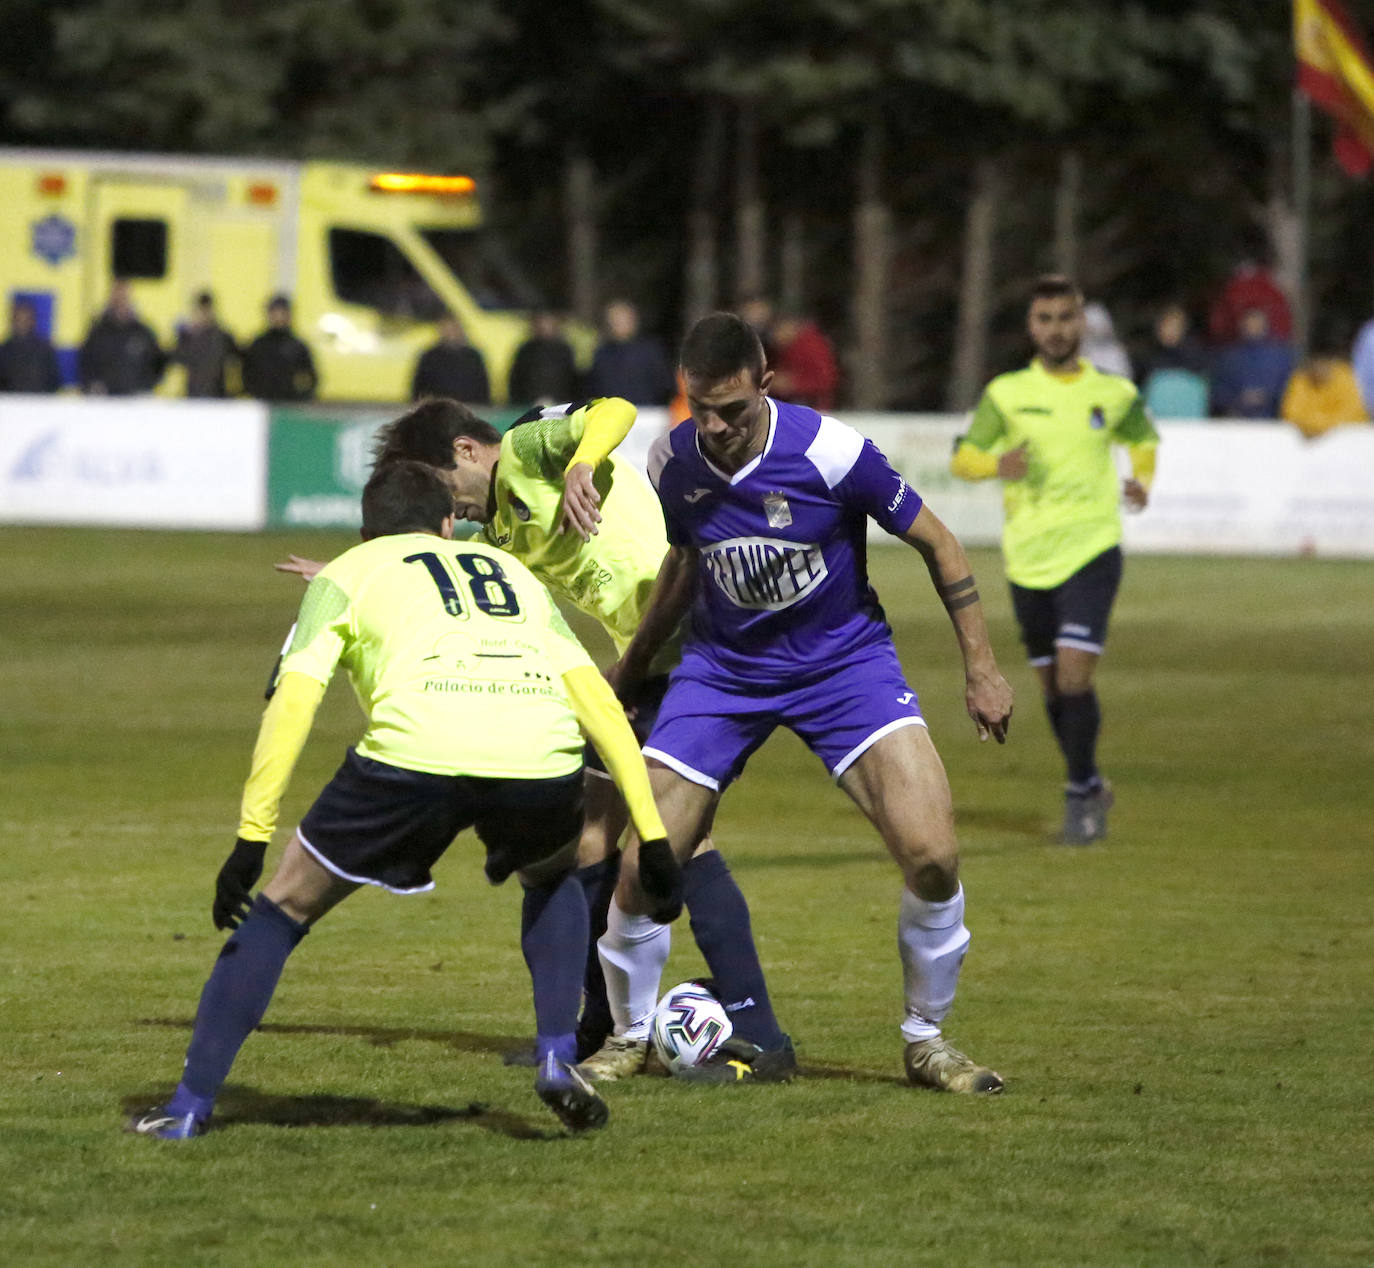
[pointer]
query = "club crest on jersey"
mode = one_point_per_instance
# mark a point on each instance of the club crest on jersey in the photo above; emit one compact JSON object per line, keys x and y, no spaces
{"x":1097,"y":420}
{"x":776,"y":509}
{"x":765,"y":573}
{"x":522,"y":512}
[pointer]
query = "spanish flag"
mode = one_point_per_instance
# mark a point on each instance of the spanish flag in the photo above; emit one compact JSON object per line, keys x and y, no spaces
{"x":1336,"y":71}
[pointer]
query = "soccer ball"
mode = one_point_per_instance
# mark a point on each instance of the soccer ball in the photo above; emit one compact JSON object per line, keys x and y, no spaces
{"x":689,"y":1025}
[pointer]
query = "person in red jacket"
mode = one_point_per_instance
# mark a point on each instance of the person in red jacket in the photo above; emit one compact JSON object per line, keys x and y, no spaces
{"x":805,"y":371}
{"x":1252,"y":285}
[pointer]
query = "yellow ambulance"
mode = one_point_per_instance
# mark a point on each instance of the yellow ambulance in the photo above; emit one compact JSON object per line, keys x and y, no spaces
{"x":370,"y":258}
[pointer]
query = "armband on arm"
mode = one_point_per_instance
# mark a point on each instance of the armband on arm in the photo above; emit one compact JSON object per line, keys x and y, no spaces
{"x":606,"y":423}
{"x":285,"y":725}
{"x":971,"y":463}
{"x":604,"y":721}
{"x":1143,"y":463}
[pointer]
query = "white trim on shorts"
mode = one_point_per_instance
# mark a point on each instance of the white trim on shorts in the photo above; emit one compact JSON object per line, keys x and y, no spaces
{"x":859,"y":749}
{"x":687,"y":772}
{"x":357,"y":880}
{"x":1079,"y":644}
{"x":1039,"y":662}
{"x":598,"y":774}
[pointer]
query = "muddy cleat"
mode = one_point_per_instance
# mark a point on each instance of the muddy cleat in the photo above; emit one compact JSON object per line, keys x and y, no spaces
{"x":620,"y":1058}
{"x":1085,"y":816}
{"x":937,"y":1063}
{"x":739,"y":1061}
{"x":165,"y":1125}
{"x":570,"y":1096}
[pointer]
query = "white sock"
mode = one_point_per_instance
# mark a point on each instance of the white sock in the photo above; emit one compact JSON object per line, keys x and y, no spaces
{"x":932,"y":940}
{"x":633,"y":952}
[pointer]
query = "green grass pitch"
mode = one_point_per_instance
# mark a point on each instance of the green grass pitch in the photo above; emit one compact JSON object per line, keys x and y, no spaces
{"x":1185,"y":1016}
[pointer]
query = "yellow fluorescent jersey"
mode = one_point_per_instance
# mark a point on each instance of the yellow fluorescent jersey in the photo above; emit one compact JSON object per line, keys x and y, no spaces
{"x":1067,"y":509}
{"x":457,"y":655}
{"x":609,"y":577}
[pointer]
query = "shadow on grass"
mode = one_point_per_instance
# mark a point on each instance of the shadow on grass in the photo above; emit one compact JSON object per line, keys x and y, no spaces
{"x":377,"y":1036}
{"x":1034,"y":826}
{"x":238,"y":1104}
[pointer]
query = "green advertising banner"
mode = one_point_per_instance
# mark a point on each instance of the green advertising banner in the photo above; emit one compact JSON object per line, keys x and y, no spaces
{"x":319,"y":459}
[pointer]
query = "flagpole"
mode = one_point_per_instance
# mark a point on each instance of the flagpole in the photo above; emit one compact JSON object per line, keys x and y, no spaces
{"x":1302,"y":207}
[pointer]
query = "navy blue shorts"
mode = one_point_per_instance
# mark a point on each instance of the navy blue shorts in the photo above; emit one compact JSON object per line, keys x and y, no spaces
{"x":1072,"y":614}
{"x":642,"y":712}
{"x":711,"y":722}
{"x":381,"y":825}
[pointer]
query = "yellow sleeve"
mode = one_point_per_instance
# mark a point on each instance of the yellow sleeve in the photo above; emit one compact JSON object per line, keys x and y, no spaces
{"x":604,"y":721}
{"x":971,"y":463}
{"x":285,"y":724}
{"x":1143,"y":463}
{"x":605,"y":424}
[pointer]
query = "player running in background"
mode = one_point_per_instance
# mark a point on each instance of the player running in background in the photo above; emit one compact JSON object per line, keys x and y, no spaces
{"x":767,"y":506}
{"x":466,"y":671}
{"x":553,"y":493}
{"x":1047,"y":432}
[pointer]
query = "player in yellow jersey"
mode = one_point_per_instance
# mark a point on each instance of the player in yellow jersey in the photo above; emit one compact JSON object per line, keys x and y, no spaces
{"x":553,"y":493}
{"x":474,"y":689}
{"x":1047,"y":433}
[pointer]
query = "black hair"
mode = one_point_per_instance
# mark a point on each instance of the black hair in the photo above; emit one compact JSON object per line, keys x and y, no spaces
{"x":405,"y":497}
{"x":1055,"y":286}
{"x":427,"y":432}
{"x":719,"y":347}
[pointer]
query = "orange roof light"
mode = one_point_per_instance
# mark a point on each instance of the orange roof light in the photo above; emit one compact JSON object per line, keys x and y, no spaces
{"x":52,"y":183}
{"x":262,"y":194}
{"x":416,"y":183}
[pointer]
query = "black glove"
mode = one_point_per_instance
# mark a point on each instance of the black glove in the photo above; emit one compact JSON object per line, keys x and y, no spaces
{"x":661,"y":879}
{"x":235,"y":882}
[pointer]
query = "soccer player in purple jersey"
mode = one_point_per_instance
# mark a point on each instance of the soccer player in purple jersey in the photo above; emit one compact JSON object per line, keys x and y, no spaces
{"x":767,"y":506}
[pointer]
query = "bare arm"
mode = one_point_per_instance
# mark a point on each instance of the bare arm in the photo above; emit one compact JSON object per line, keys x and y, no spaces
{"x":987,"y":694}
{"x":674,"y":589}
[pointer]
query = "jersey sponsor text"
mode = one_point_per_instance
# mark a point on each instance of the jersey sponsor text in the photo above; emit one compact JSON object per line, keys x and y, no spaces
{"x":764,"y":572}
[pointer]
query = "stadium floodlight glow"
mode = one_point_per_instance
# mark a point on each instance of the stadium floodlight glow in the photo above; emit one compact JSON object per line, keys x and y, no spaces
{"x":418,"y":183}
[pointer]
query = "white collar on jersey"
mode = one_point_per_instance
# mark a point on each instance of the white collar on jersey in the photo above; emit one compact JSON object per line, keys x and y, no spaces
{"x":753,"y":462}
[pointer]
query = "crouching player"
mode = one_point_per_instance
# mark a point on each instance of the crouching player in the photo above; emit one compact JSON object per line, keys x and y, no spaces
{"x":473,"y":687}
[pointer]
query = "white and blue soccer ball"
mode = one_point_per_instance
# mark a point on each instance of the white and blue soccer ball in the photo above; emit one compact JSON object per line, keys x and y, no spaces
{"x":689,"y":1025}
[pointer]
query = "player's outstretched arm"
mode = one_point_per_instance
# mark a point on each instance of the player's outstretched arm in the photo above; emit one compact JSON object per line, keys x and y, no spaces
{"x":605,"y":424}
{"x":673,"y":592}
{"x":285,"y":725}
{"x":300,"y":567}
{"x":987,"y":694}
{"x":603,"y":720}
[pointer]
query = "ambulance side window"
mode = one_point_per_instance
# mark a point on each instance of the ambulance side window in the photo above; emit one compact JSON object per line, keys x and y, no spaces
{"x":371,"y":270}
{"x":138,"y":248}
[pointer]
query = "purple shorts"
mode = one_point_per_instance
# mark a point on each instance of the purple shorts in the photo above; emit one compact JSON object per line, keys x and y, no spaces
{"x":710,"y":722}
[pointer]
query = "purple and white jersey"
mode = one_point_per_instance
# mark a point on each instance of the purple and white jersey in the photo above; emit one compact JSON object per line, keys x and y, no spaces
{"x":783,"y":589}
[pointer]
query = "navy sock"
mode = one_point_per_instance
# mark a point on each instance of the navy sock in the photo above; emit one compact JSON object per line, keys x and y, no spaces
{"x":236,"y":995}
{"x":1080,"y":719}
{"x":720,"y":923}
{"x":554,"y":939}
{"x":598,"y":884}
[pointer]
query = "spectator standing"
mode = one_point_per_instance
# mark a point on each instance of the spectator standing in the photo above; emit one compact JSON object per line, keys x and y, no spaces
{"x":1173,"y":377}
{"x":121,"y":355}
{"x":543,"y":372}
{"x":1251,"y":285}
{"x":805,"y":371}
{"x":278,"y":365}
{"x":1362,"y":359}
{"x":206,"y":350}
{"x":1252,"y":373}
{"x":27,"y":360}
{"x":1101,"y":347}
{"x":628,"y":363}
{"x":452,"y":368}
{"x":1323,"y":393}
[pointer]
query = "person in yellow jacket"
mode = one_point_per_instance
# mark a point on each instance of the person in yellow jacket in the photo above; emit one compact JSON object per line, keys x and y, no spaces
{"x":474,"y":690}
{"x":1321,"y":394}
{"x":1047,"y":433}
